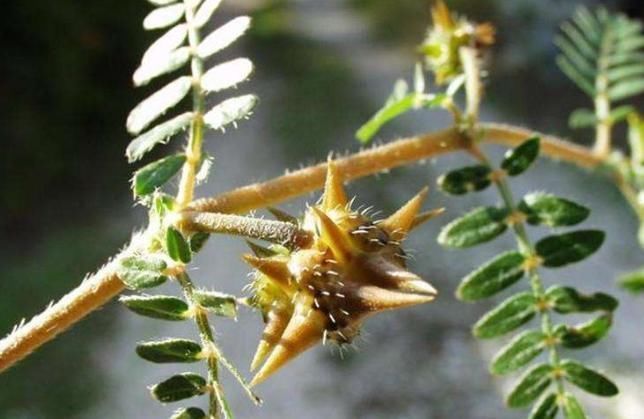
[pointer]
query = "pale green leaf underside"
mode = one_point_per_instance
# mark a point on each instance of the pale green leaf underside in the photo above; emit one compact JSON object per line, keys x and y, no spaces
{"x":223,"y":36}
{"x":161,"y":65}
{"x":205,"y":12}
{"x":164,"y":16}
{"x":160,"y":134}
{"x":227,"y":75}
{"x":601,"y":46}
{"x":167,"y":43}
{"x":157,"y":104}
{"x":230,"y":111}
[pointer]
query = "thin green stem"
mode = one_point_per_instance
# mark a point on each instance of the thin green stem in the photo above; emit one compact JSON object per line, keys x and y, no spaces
{"x":475,"y":134}
{"x":526,"y":247}
{"x":207,"y":341}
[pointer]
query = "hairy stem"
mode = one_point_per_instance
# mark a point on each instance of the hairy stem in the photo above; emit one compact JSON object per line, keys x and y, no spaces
{"x":286,"y":234}
{"x":473,"y":86}
{"x":553,"y":147}
{"x":364,"y":163}
{"x":185,"y":196}
{"x":101,"y":287}
{"x":92,"y":293}
{"x":208,"y":343}
{"x":193,"y":149}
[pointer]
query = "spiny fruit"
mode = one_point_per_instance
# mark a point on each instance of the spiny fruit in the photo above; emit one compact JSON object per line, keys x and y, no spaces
{"x":354,"y":268}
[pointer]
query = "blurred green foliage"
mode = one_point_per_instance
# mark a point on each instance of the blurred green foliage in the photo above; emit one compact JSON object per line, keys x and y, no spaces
{"x":315,"y":110}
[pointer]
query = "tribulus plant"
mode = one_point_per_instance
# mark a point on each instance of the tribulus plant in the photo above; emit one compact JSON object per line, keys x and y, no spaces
{"x":318,"y":276}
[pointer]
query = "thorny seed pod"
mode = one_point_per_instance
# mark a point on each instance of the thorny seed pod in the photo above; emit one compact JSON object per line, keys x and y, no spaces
{"x":354,"y":268}
{"x":447,"y":34}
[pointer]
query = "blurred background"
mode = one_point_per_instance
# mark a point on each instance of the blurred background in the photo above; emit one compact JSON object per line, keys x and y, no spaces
{"x":322,"y":68}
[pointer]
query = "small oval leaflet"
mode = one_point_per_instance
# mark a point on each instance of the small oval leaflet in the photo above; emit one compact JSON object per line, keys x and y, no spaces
{"x":626,"y":88}
{"x":205,"y":11}
{"x":218,"y":303}
{"x":229,"y":111}
{"x":157,"y":306}
{"x":189,"y":413}
{"x":164,"y":16}
{"x":507,"y":316}
{"x":582,"y":118}
{"x":177,"y":246}
{"x":468,"y":179}
{"x":550,"y":210}
{"x":227,"y":75}
{"x":139,"y":272}
{"x":585,"y":334}
{"x":170,"y":350}
{"x":160,"y":66}
{"x":223,"y":36}
{"x":198,"y":240}
{"x":572,"y":408}
{"x":568,"y":300}
{"x":477,"y":226}
{"x":563,"y":249}
{"x":545,"y":408}
{"x":160,"y":134}
{"x":530,"y":386}
{"x":156,"y":174}
{"x":518,"y":160}
{"x":493,"y":277}
{"x":522,"y":349}
{"x":168,"y":42}
{"x":179,"y":387}
{"x":157,"y":104}
{"x":588,"y":379}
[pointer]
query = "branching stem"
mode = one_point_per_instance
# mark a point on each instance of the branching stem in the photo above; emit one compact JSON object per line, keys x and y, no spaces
{"x":526,"y":247}
{"x":364,"y":163}
{"x":101,"y":287}
{"x":523,"y":241}
{"x":95,"y":291}
{"x":207,"y":341}
{"x":184,"y":197}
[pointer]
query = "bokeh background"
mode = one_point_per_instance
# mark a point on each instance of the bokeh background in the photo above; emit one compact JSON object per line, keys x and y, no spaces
{"x":323,"y":67}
